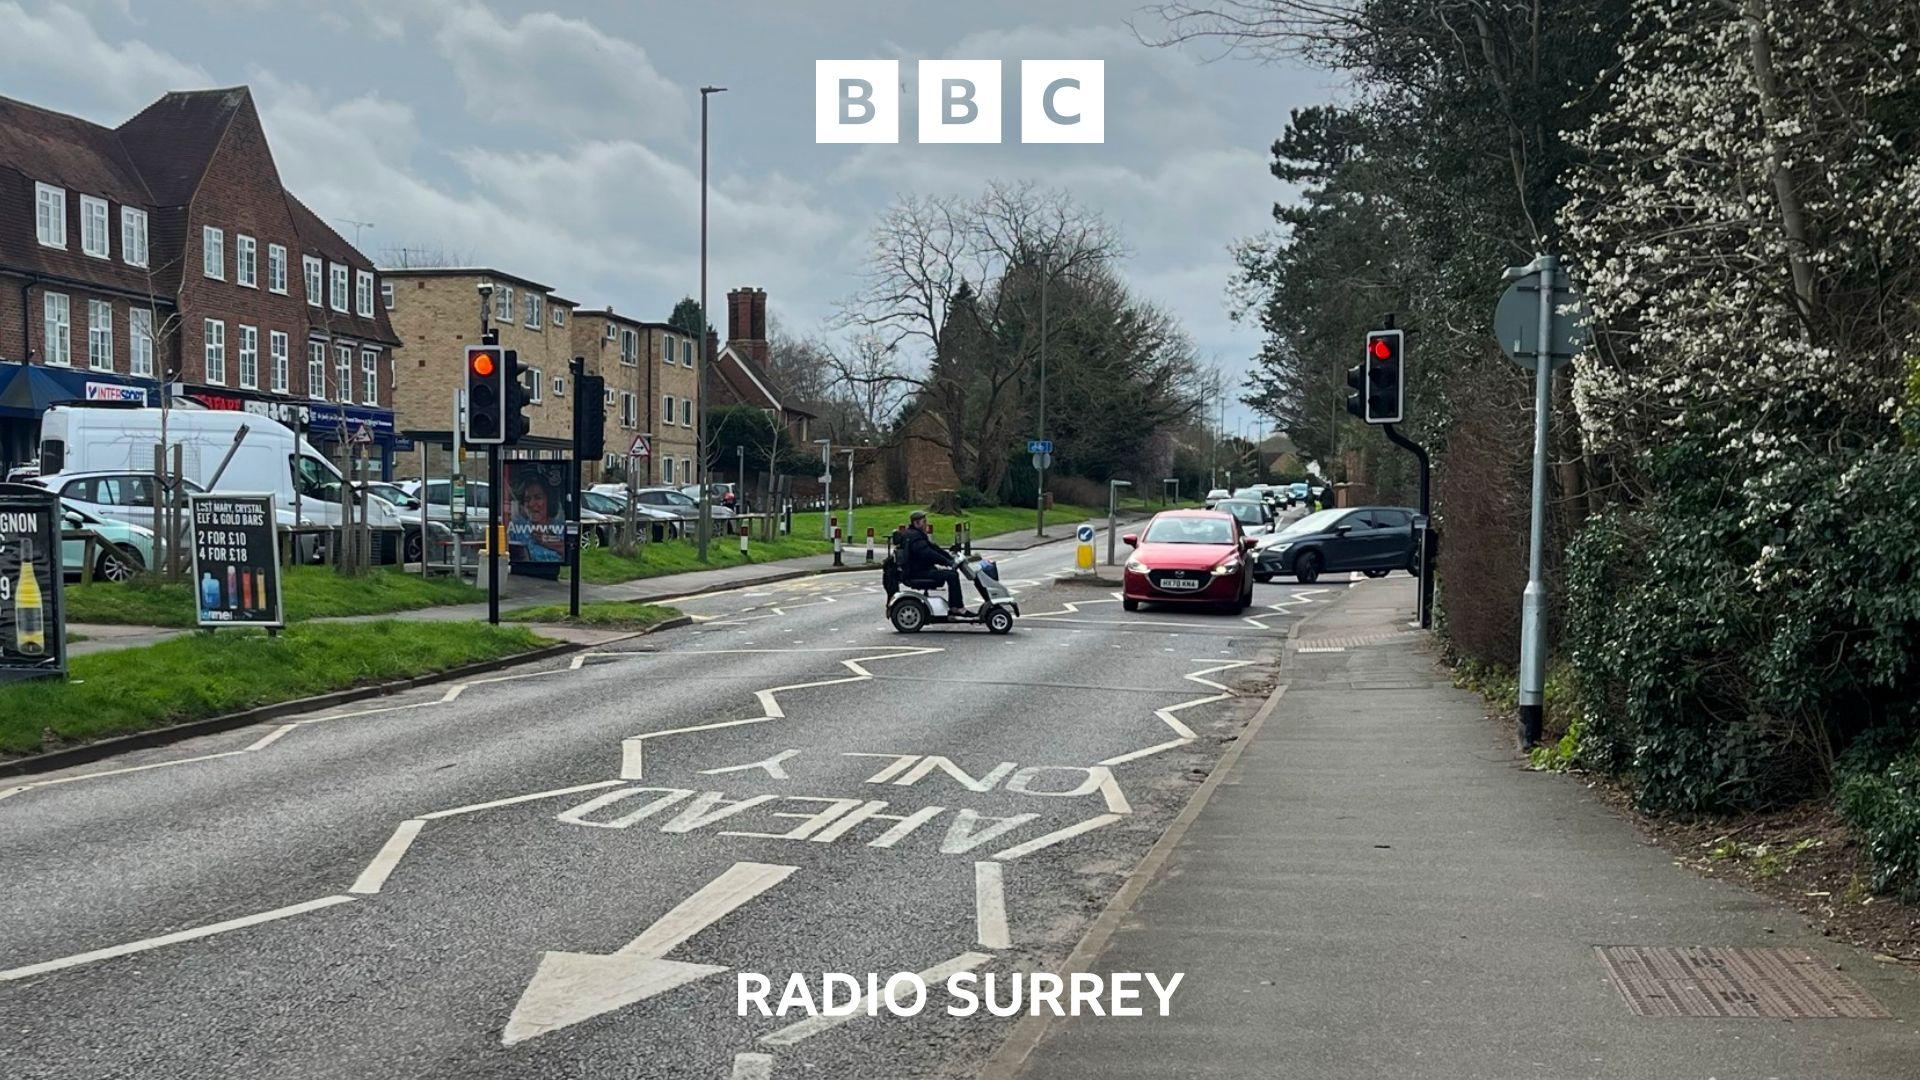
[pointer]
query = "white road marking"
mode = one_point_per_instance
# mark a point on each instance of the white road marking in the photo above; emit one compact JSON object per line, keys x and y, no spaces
{"x":174,"y":938}
{"x":770,"y":765}
{"x":122,"y":772}
{"x":375,"y":875}
{"x":1321,"y":648}
{"x":752,"y":1067}
{"x":814,"y":1025}
{"x":990,"y":905}
{"x":510,"y":801}
{"x":1057,"y":835}
{"x":268,"y":739}
{"x":571,"y":987}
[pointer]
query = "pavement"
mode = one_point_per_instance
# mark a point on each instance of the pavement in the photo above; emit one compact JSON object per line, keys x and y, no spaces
{"x":561,"y":870}
{"x":1379,"y":888}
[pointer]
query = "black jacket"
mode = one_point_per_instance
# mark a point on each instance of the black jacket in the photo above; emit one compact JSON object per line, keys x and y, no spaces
{"x":921,"y":554}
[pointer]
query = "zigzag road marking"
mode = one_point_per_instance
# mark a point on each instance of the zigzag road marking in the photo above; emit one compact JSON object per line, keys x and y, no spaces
{"x":1183,"y":733}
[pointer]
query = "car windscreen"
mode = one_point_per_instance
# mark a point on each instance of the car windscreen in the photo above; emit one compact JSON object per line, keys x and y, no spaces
{"x":1249,"y":513}
{"x":1319,"y":521}
{"x":1190,"y":530}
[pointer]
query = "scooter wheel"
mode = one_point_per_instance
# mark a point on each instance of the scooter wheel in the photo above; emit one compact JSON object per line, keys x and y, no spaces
{"x":908,"y":618}
{"x":999,"y":621}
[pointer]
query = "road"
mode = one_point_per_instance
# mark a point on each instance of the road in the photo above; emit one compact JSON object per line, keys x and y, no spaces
{"x":557,"y":871}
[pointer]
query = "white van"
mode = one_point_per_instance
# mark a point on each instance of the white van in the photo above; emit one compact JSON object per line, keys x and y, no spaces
{"x":272,"y":458}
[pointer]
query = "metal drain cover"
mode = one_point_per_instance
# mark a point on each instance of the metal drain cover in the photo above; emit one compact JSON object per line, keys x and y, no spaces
{"x":1787,"y":984}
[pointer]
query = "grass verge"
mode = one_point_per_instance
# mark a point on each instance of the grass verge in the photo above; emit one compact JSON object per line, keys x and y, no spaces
{"x":603,"y":566}
{"x":602,"y":615}
{"x":310,"y":592}
{"x":203,"y":675}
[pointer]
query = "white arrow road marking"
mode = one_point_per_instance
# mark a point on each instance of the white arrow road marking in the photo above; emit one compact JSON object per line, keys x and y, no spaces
{"x":171,"y":939}
{"x":814,"y":1025}
{"x":990,"y":905}
{"x":752,"y":1067}
{"x":571,"y":987}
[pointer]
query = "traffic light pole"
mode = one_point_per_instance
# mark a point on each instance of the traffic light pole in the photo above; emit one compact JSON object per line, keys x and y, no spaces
{"x":580,"y":406}
{"x":1423,"y":609}
{"x":1533,"y":604}
{"x":494,"y":498}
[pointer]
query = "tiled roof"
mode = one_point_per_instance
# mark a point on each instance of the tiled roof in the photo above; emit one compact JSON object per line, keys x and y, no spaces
{"x":174,"y":139}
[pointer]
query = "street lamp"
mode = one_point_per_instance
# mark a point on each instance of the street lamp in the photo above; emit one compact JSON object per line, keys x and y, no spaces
{"x":826,"y":481}
{"x":706,"y":360}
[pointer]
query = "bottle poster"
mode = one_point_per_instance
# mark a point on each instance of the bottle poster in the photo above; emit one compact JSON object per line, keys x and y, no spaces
{"x":236,"y":560}
{"x":32,"y":619}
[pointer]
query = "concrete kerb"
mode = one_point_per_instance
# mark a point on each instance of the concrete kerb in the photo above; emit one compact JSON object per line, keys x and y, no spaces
{"x":1007,"y":1062}
{"x":163,"y":736}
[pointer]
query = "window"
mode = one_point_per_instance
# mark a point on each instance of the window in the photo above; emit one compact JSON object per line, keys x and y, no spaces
{"x":370,"y":376}
{"x":666,"y":470}
{"x":686,"y":411}
{"x":536,"y":317}
{"x":277,"y":352}
{"x":343,"y":372}
{"x":559,"y":316}
{"x":244,"y":249}
{"x":311,"y":267}
{"x":133,"y":236}
{"x":667,"y":356}
{"x":100,"y":335}
{"x":277,"y":269}
{"x":386,"y":295}
{"x":59,"y":327}
{"x":535,"y":384}
{"x":249,"y":357}
{"x":629,"y":347}
{"x":213,"y":252}
{"x":50,"y":215}
{"x":140,"y":342}
{"x":317,"y":370}
{"x":612,"y":331}
{"x":666,"y":408}
{"x":363,"y":293}
{"x":559,"y":386}
{"x":93,"y":226}
{"x":686,"y":352}
{"x":627,"y":410}
{"x":214,"y":338}
{"x":336,"y":286}
{"x":502,"y":303}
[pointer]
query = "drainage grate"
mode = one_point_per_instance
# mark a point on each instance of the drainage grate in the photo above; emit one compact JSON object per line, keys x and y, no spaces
{"x":1784,"y":984}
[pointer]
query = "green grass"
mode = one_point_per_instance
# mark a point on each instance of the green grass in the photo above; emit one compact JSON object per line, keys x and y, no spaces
{"x":602,"y":566}
{"x":202,"y":675}
{"x":311,"y":592}
{"x":603,"y":615}
{"x":985,"y":520}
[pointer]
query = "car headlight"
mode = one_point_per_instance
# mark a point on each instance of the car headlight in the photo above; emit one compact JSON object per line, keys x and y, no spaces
{"x":1231,"y":566}
{"x":1136,"y":566}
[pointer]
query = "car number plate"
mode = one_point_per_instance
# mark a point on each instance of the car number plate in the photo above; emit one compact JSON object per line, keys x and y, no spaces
{"x":1179,"y":583}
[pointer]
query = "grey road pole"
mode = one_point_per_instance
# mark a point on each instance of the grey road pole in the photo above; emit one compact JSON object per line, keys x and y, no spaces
{"x":1113,"y":511}
{"x":826,"y":479}
{"x":848,"y":534}
{"x":706,"y":360}
{"x":1040,"y":429}
{"x":1533,"y":604}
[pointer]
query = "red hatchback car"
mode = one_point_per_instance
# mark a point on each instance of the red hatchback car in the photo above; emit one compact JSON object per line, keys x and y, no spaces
{"x":1189,"y":557}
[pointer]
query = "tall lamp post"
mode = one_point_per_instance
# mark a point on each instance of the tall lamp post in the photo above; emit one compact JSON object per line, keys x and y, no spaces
{"x":706,"y":359}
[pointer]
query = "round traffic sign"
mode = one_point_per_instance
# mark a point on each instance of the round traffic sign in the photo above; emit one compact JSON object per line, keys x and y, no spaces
{"x":1085,"y":533}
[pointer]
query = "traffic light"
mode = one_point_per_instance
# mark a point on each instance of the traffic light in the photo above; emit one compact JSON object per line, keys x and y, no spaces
{"x":518,"y":397}
{"x":486,"y":395}
{"x":1357,"y":390}
{"x":589,"y":418}
{"x":1386,"y":379}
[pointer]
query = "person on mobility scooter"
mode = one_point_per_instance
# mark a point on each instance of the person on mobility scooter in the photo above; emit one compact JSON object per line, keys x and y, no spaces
{"x":918,"y":564}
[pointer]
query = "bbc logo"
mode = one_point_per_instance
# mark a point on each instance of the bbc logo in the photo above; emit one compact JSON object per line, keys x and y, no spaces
{"x":858,"y":101}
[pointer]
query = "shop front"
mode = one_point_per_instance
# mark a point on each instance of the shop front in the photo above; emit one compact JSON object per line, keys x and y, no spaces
{"x":27,"y":391}
{"x":367,"y":432}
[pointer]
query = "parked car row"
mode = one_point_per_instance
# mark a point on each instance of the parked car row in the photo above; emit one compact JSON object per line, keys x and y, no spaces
{"x":1215,"y":556}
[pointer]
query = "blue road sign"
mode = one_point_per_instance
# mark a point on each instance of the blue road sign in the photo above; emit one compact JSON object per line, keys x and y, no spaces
{"x":1039,"y":446}
{"x":1085,"y":533}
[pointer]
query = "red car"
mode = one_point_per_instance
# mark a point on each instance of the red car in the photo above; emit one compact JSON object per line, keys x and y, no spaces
{"x":1189,"y":557}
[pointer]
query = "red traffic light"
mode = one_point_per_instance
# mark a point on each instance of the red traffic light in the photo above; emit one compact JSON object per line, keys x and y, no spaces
{"x":1381,"y":350}
{"x":483,"y":364}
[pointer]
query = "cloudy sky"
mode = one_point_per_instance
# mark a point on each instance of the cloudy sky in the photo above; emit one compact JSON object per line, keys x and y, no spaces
{"x":560,"y":140}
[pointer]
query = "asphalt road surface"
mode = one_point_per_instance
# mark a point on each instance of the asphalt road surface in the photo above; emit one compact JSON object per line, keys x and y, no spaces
{"x":560,"y":870}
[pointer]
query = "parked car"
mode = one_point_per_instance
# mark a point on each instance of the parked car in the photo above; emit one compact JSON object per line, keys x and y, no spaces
{"x":678,"y":502}
{"x":394,"y":494}
{"x":1216,"y":495}
{"x":1376,"y":540}
{"x":1189,"y":557}
{"x":723,"y":494}
{"x":128,"y":497}
{"x":131,"y":549}
{"x":1254,"y":516}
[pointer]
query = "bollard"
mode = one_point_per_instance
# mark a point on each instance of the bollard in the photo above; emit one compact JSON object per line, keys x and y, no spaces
{"x":869,"y":544}
{"x":743,"y":543}
{"x":836,"y":547}
{"x":969,"y":541}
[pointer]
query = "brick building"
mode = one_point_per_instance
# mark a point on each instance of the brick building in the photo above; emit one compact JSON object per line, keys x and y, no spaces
{"x":740,"y":375}
{"x":167,"y":251}
{"x":437,"y":314}
{"x":652,"y":388}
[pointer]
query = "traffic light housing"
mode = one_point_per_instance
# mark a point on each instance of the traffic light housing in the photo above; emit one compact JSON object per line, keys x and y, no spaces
{"x":1379,"y":383}
{"x":486,"y":395}
{"x":518,"y":397}
{"x":589,"y":418}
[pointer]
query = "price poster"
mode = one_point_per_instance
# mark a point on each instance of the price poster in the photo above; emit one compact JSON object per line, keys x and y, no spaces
{"x":33,"y":638}
{"x":236,"y":560}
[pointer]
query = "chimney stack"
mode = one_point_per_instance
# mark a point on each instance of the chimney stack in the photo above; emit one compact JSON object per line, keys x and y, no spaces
{"x":747,"y":322}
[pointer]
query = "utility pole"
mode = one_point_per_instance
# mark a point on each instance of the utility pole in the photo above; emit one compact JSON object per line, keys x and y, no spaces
{"x":706,"y":359}
{"x":1533,"y":603}
{"x":1040,"y":429}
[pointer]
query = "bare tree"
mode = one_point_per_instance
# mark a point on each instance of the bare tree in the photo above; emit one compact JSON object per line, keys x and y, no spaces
{"x":868,"y":377}
{"x":431,"y":255}
{"x":1262,"y":29}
